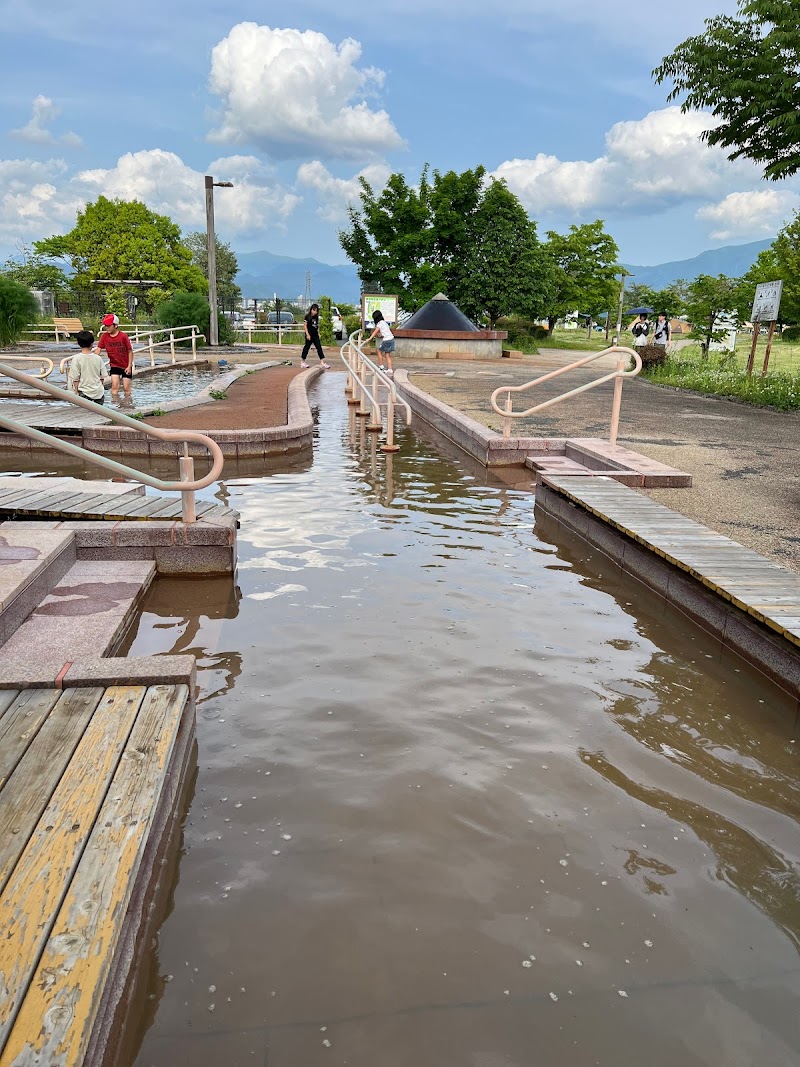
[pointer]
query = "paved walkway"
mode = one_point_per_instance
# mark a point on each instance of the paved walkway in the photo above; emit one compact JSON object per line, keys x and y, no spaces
{"x":743,"y":459}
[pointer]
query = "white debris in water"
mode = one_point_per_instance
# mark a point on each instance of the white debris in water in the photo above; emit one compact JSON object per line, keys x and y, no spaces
{"x":223,"y":800}
{"x":326,"y":1043}
{"x":238,"y":805}
{"x":586,"y":944}
{"x":563,"y":863}
{"x":526,"y":963}
{"x":211,"y":1007}
{"x":579,"y":963}
{"x":622,"y":993}
{"x":554,"y":996}
{"x":286,"y":837}
{"x":649,"y":944}
{"x":276,"y":852}
{"x":532,"y":958}
{"x":212,"y":989}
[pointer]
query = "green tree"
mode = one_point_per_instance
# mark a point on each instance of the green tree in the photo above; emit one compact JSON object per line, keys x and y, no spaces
{"x":18,"y":308}
{"x":671,"y":299}
{"x":708,"y":298}
{"x":121,"y":239}
{"x":228,"y":292}
{"x":34,"y":272}
{"x":455,"y":233}
{"x":325,"y":322}
{"x":744,"y":69}
{"x":584,"y":271}
{"x":502,"y":269}
{"x":779,"y":262}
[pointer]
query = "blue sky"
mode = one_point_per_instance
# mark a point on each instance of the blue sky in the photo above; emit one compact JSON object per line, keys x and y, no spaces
{"x":292,"y":101}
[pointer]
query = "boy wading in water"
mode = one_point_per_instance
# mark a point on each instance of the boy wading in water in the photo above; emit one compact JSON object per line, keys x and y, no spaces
{"x":386,"y":346}
{"x":311,"y":323}
{"x":86,"y":370}
{"x":117,"y":345}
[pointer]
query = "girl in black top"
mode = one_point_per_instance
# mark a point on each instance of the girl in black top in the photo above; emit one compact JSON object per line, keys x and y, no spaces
{"x":311,"y":322}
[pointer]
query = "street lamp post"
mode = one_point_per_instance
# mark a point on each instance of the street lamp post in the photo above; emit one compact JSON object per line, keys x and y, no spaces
{"x":213,"y":325}
{"x":625,"y":274}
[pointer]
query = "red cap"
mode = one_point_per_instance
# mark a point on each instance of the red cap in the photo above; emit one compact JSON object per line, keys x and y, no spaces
{"x":110,"y":320}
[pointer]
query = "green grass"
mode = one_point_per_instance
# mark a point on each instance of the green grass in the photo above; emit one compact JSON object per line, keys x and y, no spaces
{"x":576,"y":340}
{"x":722,"y":374}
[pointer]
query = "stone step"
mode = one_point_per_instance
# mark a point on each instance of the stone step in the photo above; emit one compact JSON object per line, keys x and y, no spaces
{"x":85,"y":614}
{"x":32,"y":562}
{"x":561,"y":465}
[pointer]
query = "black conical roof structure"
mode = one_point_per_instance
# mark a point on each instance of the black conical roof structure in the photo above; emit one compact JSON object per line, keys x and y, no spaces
{"x":440,"y":314}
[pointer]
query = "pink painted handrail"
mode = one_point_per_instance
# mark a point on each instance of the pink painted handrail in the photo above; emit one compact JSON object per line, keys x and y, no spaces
{"x":618,"y":375}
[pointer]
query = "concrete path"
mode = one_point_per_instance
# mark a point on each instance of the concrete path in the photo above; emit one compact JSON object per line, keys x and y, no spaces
{"x":744,"y":459}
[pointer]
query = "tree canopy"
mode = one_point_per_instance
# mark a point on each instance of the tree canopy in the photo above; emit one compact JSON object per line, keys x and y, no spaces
{"x":228,"y":292}
{"x":584,"y":270}
{"x":455,"y":233}
{"x":120,"y":239}
{"x":33,"y":271}
{"x":745,"y":70}
{"x":707,"y":299}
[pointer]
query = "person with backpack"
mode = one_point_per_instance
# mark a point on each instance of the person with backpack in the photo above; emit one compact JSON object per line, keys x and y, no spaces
{"x":662,"y":332}
{"x":640,"y":330}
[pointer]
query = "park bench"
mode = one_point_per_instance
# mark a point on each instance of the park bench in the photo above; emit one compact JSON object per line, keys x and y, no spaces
{"x":90,"y":787}
{"x":68,"y":326}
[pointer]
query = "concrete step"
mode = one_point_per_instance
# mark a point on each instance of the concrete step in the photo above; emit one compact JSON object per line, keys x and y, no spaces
{"x":560,"y":465}
{"x":32,"y":562}
{"x":86,"y":614}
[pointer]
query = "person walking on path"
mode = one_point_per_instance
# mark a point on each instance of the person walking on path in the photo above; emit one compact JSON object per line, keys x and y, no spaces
{"x":86,"y":371}
{"x":311,"y":326}
{"x":117,"y":345}
{"x":662,"y":332}
{"x":386,"y":346}
{"x":640,"y":330}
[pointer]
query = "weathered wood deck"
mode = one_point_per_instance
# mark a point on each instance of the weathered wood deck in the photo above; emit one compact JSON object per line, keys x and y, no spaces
{"x":89,"y":784}
{"x":57,"y":417}
{"x":28,"y":501}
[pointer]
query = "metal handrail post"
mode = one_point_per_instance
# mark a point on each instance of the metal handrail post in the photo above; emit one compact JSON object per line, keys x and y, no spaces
{"x":152,"y":353}
{"x":194,"y":344}
{"x":375,"y":424}
{"x":186,"y":465}
{"x":617,"y":401}
{"x":507,"y":419}
{"x":389,"y":445}
{"x":172,"y":345}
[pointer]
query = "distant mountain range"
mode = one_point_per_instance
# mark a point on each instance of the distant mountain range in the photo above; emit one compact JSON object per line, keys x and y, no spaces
{"x":261,"y":274}
{"x":733,"y":260}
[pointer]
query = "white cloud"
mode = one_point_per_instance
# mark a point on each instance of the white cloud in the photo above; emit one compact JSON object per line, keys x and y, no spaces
{"x":337,"y":194}
{"x":752,"y":214}
{"x":649,"y":164}
{"x":43,"y":113}
{"x":294,"y":93}
{"x":39,"y":199}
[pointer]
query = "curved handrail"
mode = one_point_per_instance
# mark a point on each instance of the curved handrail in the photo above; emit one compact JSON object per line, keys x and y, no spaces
{"x":356,"y":340}
{"x":618,"y":375}
{"x":187,"y":484}
{"x":35,"y":359}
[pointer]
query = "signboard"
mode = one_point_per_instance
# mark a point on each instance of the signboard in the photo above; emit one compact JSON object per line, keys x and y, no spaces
{"x":767,"y":302}
{"x":387,"y":305}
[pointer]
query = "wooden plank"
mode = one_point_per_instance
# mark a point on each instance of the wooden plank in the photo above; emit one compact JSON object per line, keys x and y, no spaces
{"x":36,"y":889}
{"x":37,"y":774}
{"x":7,"y":698}
{"x":55,"y":1022}
{"x":20,"y":724}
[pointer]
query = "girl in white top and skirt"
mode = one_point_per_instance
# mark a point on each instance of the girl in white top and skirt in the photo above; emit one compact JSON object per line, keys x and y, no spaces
{"x":386,"y":346}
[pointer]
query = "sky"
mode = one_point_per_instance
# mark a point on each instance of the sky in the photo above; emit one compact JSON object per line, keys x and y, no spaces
{"x":293,"y":101}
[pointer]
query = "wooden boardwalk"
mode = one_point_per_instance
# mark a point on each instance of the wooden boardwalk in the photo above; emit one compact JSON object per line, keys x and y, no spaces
{"x":28,"y":501}
{"x":54,"y":416}
{"x":89,"y":783}
{"x":757,"y":585}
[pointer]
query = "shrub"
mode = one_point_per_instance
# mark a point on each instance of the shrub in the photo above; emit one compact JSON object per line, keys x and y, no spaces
{"x":352,"y":323}
{"x":185,"y":309}
{"x":652,"y":355}
{"x":227,"y":334}
{"x":18,"y":308}
{"x":791,"y":333}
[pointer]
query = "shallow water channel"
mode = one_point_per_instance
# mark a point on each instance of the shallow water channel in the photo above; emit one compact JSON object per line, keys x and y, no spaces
{"x":465,"y":795}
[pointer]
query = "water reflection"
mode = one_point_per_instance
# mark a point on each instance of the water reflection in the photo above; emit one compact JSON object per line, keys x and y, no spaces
{"x":467,"y":794}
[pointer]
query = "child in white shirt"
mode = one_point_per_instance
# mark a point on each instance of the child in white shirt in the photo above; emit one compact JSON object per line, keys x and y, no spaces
{"x":386,"y":346}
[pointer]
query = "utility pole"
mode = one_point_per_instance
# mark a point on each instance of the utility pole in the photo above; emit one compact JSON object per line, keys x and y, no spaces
{"x":625,"y":274}
{"x":211,"y":238}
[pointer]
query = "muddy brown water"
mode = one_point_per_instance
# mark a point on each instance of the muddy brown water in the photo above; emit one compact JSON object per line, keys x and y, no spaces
{"x":464,"y":795}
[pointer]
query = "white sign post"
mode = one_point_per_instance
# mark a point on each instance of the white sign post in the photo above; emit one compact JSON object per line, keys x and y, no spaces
{"x":766,"y":305}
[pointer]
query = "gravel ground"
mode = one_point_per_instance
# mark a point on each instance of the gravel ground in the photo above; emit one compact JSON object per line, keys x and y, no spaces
{"x":744,"y":460}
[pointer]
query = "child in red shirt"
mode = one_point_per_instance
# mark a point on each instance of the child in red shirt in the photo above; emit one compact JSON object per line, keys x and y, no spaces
{"x":118,"y":348}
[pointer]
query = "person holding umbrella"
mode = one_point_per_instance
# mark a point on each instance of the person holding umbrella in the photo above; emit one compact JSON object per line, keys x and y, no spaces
{"x":640,"y":329}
